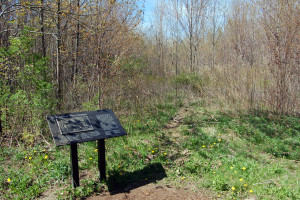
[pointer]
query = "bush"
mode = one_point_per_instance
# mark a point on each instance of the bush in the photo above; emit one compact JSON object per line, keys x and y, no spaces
{"x":193,"y":81}
{"x":27,"y":93}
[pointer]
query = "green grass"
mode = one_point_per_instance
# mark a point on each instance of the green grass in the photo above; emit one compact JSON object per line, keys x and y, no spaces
{"x":233,"y":155}
{"x":228,"y":151}
{"x":26,"y":172}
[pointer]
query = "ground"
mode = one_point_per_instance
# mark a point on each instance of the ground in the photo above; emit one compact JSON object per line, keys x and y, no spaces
{"x":159,"y":190}
{"x":195,"y":153}
{"x":154,"y":192}
{"x":151,"y":191}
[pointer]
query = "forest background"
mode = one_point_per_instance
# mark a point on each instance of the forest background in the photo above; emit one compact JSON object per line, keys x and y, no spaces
{"x":72,"y":55}
{"x":230,"y":68}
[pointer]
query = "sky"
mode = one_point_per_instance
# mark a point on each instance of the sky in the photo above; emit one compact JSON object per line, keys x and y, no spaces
{"x":149,"y":12}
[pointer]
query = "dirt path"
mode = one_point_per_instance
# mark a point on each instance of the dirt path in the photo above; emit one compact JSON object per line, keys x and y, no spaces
{"x":159,"y":190}
{"x":154,"y":192}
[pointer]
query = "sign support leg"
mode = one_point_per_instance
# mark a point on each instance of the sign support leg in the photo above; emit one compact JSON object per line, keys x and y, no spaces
{"x":74,"y":165}
{"x":101,"y":159}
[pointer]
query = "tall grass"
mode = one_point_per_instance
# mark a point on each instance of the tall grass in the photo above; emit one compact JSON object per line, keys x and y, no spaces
{"x":242,"y":88}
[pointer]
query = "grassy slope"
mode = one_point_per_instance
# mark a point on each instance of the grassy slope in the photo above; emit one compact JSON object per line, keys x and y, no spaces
{"x":234,"y":155}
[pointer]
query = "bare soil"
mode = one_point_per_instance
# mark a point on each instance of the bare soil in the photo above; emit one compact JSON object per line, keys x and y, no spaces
{"x":154,"y":192}
{"x":159,"y":191}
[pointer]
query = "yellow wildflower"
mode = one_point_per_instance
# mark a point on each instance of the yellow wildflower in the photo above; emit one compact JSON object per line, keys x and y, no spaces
{"x":96,"y":150}
{"x":235,"y":171}
{"x":233,"y":188}
{"x":91,"y":158}
{"x":152,"y":151}
{"x":182,"y":178}
{"x":26,"y":157}
{"x":245,"y":185}
{"x":46,"y":157}
{"x":241,"y":179}
{"x":214,"y":143}
{"x":29,"y":158}
{"x":251,"y":191}
{"x":8,"y":180}
{"x":203,"y":146}
{"x":220,"y":140}
{"x":214,"y":172}
{"x":244,"y":168}
{"x":119,"y":165}
{"x":231,"y":167}
{"x":165,"y":153}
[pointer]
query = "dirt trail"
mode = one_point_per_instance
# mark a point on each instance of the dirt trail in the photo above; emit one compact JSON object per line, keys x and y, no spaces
{"x":154,"y":192}
{"x":173,"y":127}
{"x":158,"y":190}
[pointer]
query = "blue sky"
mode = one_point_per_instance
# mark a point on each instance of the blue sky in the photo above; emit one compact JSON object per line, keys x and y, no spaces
{"x":149,"y":8}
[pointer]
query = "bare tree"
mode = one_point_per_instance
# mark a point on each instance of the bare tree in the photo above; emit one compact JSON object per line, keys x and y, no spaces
{"x":281,"y":22}
{"x":59,"y":70}
{"x":191,"y":14}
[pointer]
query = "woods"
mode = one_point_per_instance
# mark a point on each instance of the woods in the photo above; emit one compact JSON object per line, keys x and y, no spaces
{"x":206,"y":90}
{"x":63,"y":54}
{"x":245,"y":50}
{"x":72,"y":55}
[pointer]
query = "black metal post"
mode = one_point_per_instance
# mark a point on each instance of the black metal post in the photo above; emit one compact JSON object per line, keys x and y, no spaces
{"x":74,"y":165}
{"x":101,"y":159}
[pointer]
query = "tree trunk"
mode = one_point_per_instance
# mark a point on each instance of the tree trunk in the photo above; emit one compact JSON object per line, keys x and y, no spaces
{"x":191,"y":30}
{"x":0,"y":122}
{"x":58,"y":58}
{"x":75,"y":67}
{"x":43,"y":30}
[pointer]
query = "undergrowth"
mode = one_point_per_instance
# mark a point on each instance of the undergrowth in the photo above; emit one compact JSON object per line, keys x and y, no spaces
{"x":232,"y":155}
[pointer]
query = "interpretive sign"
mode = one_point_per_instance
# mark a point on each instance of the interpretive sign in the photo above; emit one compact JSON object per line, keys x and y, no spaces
{"x":73,"y":128}
{"x":84,"y":126}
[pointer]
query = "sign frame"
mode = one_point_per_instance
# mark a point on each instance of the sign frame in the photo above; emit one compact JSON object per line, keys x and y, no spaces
{"x":79,"y":127}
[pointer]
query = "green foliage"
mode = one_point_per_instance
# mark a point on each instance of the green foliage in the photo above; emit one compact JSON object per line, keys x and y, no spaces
{"x":26,"y":89}
{"x":127,"y":161}
{"x":195,"y":81}
{"x":132,"y":65}
{"x":241,"y":165}
{"x":277,"y":135}
{"x":227,"y":153}
{"x":93,"y":104}
{"x":29,"y":171}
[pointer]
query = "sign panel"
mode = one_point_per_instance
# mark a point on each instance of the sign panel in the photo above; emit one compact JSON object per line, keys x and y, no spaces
{"x":74,"y":124}
{"x":84,"y":126}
